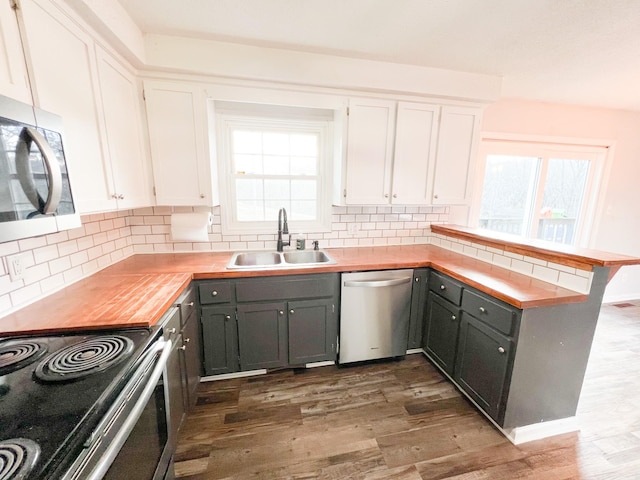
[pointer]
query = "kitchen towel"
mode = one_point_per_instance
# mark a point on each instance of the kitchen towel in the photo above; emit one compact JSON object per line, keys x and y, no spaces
{"x":190,"y":227}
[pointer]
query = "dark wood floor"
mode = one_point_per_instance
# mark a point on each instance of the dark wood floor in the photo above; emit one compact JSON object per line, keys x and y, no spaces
{"x":403,"y":421}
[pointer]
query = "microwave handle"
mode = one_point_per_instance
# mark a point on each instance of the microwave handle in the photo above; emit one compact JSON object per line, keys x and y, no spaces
{"x":25,"y":175}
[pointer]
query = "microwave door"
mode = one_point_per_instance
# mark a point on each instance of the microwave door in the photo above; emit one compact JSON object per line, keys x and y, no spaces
{"x":27,"y":176}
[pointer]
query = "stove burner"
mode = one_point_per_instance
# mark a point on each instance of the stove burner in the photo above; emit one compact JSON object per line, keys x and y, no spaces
{"x":17,"y":354}
{"x":84,"y":358}
{"x":17,"y":458}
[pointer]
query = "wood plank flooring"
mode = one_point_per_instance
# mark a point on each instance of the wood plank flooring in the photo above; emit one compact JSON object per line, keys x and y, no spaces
{"x":402,"y":420}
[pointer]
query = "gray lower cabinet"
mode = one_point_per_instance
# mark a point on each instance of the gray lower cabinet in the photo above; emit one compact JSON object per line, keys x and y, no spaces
{"x":192,"y":364}
{"x":313,"y":330}
{"x":171,"y":331}
{"x":471,"y":337}
{"x":268,"y":322}
{"x":219,"y":340}
{"x":262,"y":335}
{"x":482,"y":364}
{"x":418,"y":305}
{"x":441,"y":331}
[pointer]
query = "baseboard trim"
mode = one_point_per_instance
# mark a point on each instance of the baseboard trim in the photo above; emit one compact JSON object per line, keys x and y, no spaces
{"x":326,"y":363}
{"x":227,"y":376}
{"x":538,"y":431}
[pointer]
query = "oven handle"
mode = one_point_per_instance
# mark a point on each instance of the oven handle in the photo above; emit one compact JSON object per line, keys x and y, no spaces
{"x":121,"y":436}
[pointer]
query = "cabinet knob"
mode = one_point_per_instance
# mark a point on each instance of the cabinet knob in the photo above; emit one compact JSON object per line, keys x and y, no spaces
{"x":281,"y":312}
{"x":435,"y":196}
{"x":501,"y":350}
{"x":121,"y":197}
{"x":453,"y":317}
{"x":114,"y":196}
{"x":214,"y":293}
{"x":227,"y":317}
{"x":190,"y":304}
{"x":482,"y":310}
{"x":442,"y":287}
{"x":172,"y":331}
{"x":291,"y":311}
{"x":395,"y":195}
{"x":183,"y":348}
{"x":386,"y":195}
{"x":187,"y":340}
{"x":417,"y":279}
{"x":202,"y":195}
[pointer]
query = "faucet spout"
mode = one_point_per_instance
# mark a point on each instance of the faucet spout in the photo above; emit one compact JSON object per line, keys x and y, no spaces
{"x":283,"y":228}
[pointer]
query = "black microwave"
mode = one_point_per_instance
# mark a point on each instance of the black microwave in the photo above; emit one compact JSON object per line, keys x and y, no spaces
{"x":35,"y":192}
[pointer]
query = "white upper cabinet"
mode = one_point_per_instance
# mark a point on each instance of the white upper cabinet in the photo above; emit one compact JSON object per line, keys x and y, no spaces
{"x":121,"y":106}
{"x":409,"y":153}
{"x":13,"y":72}
{"x":98,"y":100}
{"x":369,"y":151}
{"x":177,"y":118}
{"x":457,"y":147}
{"x":415,"y":147}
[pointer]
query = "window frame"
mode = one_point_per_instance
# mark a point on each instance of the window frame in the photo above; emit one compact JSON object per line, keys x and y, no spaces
{"x":271,"y":119}
{"x":598,"y":152}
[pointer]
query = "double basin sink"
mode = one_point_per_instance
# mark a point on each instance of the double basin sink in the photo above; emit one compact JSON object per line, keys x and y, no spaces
{"x":292,"y":259}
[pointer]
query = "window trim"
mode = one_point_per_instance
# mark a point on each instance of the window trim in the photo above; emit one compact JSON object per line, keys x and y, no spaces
{"x":227,"y":120}
{"x":533,"y":145}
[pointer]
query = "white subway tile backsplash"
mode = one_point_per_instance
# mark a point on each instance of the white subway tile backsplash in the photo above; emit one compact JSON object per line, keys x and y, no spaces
{"x":574,"y":282}
{"x":522,"y":267}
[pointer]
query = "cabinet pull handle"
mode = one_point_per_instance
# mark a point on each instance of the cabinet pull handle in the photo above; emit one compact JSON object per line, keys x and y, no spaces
{"x":482,"y":310}
{"x":291,"y":311}
{"x":442,"y":287}
{"x":214,"y":293}
{"x":227,"y":317}
{"x":453,"y":317}
{"x":501,"y":350}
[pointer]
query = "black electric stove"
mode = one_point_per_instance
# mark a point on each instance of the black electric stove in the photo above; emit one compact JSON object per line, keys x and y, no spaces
{"x":53,"y":392}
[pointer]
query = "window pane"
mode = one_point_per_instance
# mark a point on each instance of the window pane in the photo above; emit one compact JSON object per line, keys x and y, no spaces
{"x":250,"y":210}
{"x":562,"y":199}
{"x":248,"y":189}
{"x":248,"y":164}
{"x":304,"y":165}
{"x":276,"y":143}
{"x":303,"y":189}
{"x":304,"y":144}
{"x":247,"y":141}
{"x":508,"y":193}
{"x":276,"y":165}
{"x":276,"y":190}
{"x":303,"y":210}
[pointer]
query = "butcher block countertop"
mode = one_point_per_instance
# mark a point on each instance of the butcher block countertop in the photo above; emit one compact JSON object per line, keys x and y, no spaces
{"x":138,"y":290}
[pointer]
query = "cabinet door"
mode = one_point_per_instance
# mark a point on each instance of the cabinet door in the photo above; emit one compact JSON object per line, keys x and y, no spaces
{"x":176,"y":119}
{"x":371,"y":127}
{"x":123,"y":118}
{"x":313,"y":331}
{"x":63,"y":64}
{"x":13,"y":71}
{"x":457,"y":146}
{"x":482,"y":364}
{"x":415,"y":147}
{"x":418,"y":305}
{"x":192,"y":361}
{"x":262,"y":336}
{"x":177,"y":401}
{"x":441,"y":332}
{"x":219,"y":340}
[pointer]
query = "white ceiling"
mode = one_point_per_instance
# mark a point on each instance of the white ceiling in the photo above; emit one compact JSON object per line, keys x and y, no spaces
{"x":569,"y":51}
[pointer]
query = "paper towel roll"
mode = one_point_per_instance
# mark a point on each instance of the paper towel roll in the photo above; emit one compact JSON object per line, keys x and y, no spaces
{"x":190,"y":227}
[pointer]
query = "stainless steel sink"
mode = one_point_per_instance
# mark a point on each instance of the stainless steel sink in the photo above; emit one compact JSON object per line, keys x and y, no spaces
{"x":292,"y":259}
{"x":306,"y":256}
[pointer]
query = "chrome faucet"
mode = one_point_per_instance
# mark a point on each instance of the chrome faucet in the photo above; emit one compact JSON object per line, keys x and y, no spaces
{"x":282,"y":228}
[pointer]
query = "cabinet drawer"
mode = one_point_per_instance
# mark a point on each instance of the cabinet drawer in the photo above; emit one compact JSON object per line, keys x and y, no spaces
{"x":218,"y":291}
{"x":187,"y":304}
{"x":445,"y":287}
{"x":287,"y":288}
{"x":500,"y":317}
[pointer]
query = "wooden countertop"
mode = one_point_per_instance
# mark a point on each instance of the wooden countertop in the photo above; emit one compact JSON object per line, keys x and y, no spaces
{"x":138,"y":290}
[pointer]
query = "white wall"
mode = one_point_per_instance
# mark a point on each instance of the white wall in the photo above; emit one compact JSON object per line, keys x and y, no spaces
{"x":617,"y":228}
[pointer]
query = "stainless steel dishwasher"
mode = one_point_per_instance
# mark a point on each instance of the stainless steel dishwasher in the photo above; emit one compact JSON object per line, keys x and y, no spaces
{"x":374,"y":314}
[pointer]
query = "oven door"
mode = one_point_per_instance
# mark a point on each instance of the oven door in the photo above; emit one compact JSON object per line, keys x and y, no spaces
{"x":133,"y":437}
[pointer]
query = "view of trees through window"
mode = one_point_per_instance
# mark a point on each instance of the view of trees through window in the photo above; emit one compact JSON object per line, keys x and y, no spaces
{"x":535,"y":196}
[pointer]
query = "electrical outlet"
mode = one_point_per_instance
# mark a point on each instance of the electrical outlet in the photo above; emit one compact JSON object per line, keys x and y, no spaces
{"x":352,"y":228}
{"x":15,"y":265}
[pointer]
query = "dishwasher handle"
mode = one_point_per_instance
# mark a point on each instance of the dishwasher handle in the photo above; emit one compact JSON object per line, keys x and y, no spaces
{"x":377,"y":283}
